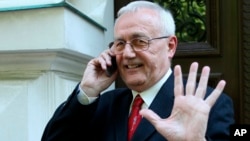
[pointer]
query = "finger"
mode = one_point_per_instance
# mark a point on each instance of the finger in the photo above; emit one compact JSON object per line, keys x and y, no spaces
{"x":201,"y":90}
{"x":191,"y":82}
{"x":211,"y":99}
{"x":178,"y":83}
{"x":151,"y":116}
{"x":102,"y":63}
{"x":106,"y":57}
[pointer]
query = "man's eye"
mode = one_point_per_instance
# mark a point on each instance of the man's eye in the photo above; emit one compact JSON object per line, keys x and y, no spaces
{"x":120,"y":44}
{"x":140,"y":42}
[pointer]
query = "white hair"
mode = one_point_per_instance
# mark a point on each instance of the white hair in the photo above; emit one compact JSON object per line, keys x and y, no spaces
{"x":166,"y":18}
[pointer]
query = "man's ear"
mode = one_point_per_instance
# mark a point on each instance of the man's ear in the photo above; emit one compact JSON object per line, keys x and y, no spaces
{"x":172,"y":45}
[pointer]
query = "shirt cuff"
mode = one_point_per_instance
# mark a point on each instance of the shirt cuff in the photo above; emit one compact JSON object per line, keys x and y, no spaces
{"x":83,"y":98}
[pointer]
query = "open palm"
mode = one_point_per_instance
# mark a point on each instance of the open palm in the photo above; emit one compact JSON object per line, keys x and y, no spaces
{"x":190,"y":111}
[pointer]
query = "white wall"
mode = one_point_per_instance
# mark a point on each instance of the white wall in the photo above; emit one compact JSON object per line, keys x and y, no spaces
{"x":43,"y":53}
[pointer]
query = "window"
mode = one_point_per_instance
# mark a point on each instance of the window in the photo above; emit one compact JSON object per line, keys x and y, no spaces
{"x":197,"y":26}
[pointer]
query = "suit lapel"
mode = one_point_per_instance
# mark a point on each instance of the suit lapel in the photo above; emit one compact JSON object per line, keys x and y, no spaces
{"x":121,"y":120}
{"x":162,"y":105}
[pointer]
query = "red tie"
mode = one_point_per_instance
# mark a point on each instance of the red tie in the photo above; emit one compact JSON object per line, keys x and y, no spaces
{"x":135,"y":117}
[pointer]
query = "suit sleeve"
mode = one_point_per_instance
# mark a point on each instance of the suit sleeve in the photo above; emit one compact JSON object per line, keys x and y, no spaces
{"x":71,"y":120}
{"x":220,"y":119}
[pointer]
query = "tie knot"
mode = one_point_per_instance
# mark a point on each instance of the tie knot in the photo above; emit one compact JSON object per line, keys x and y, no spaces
{"x":138,"y":101}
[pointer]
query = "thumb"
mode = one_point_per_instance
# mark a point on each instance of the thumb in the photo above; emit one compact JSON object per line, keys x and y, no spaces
{"x":151,"y":116}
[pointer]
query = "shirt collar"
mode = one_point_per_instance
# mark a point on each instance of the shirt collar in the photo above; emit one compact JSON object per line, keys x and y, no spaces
{"x":149,"y":94}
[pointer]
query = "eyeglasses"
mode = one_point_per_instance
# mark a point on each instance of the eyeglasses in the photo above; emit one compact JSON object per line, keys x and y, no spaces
{"x":137,"y":44}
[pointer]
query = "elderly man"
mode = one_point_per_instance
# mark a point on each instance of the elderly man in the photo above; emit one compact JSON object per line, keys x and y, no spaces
{"x":172,"y":109}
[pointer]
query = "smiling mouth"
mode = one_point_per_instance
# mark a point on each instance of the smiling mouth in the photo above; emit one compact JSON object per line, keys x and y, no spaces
{"x":133,"y":66}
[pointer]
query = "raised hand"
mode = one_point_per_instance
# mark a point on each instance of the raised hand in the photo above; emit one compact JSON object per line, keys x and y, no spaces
{"x":189,"y":117}
{"x":95,"y":79}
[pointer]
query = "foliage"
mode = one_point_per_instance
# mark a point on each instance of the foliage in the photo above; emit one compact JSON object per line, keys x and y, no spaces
{"x":189,"y":16}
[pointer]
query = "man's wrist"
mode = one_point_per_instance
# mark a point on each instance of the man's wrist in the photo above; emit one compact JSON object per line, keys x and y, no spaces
{"x":90,"y":92}
{"x":83,"y":98}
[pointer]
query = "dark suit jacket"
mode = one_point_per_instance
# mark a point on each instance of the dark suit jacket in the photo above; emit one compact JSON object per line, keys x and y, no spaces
{"x":106,"y":119}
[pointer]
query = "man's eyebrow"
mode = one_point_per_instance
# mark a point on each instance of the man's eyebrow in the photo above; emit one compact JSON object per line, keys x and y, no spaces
{"x":135,"y":35}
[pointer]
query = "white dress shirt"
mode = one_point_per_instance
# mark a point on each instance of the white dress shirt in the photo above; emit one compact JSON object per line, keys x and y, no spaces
{"x":149,"y":94}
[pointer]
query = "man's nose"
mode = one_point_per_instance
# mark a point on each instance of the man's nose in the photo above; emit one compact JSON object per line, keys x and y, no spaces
{"x":129,"y":51}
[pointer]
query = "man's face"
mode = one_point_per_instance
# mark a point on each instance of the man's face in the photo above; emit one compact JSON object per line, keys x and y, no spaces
{"x":141,"y":70}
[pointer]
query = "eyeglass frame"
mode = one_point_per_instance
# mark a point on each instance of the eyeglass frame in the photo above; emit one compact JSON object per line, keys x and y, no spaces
{"x":148,"y":41}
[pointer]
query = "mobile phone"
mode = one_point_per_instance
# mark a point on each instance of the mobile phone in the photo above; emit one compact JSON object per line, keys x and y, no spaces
{"x":111,"y":69}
